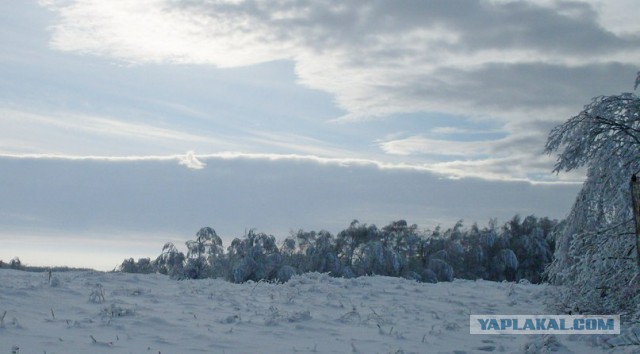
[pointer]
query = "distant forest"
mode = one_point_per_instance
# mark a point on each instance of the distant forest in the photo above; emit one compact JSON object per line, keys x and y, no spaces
{"x":17,"y":264}
{"x":519,"y":249}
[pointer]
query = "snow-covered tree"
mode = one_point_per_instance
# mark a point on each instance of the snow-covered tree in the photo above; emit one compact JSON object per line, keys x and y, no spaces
{"x":530,"y":243}
{"x":595,"y":254}
{"x":203,"y":252}
{"x":374,"y":258}
{"x":349,"y":239}
{"x":504,"y":265}
{"x":144,"y":266}
{"x":398,"y":249}
{"x":207,"y":244}
{"x":15,"y":263}
{"x":441,"y":269}
{"x":405,"y":241}
{"x":255,"y":257}
{"x":170,"y":261}
{"x":320,"y":254}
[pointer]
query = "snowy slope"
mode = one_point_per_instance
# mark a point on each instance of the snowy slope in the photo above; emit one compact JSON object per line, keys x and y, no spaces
{"x":92,"y":312}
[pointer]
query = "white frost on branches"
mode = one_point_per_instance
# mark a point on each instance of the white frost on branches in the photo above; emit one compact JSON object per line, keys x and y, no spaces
{"x":595,"y":256}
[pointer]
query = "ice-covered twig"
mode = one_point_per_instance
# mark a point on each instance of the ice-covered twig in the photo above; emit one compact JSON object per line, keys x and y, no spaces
{"x":97,"y":342}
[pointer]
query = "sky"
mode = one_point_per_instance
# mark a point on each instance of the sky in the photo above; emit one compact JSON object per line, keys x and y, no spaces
{"x":126,"y":124}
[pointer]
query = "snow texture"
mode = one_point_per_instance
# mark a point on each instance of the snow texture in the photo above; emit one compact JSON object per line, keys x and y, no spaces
{"x":92,"y":312}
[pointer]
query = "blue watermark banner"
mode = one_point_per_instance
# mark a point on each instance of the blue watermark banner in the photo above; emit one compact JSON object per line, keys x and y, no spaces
{"x":544,"y":324}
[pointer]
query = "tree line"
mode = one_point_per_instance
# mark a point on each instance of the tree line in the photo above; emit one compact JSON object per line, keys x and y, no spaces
{"x":16,"y":264}
{"x":519,"y":249}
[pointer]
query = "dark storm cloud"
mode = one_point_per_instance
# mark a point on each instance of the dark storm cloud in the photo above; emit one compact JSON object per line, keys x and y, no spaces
{"x":566,"y":27}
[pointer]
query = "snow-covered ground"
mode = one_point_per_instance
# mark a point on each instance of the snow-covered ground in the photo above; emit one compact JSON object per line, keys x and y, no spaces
{"x":93,"y":312}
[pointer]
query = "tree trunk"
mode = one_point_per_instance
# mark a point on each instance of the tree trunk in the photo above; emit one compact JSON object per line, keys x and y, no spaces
{"x":635,"y":193}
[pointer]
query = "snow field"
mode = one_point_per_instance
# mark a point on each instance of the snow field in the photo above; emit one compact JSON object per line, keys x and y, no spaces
{"x":93,"y":312}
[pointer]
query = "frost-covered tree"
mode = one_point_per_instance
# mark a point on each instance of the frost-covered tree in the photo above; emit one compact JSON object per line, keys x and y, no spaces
{"x":290,"y":255}
{"x":321,"y":253}
{"x":15,"y":263}
{"x":398,"y":249}
{"x":504,"y":265}
{"x":128,"y":266}
{"x":255,"y":257}
{"x":207,"y":244}
{"x":170,"y":261}
{"x":529,"y":240}
{"x":348,"y":240}
{"x":144,"y":266}
{"x":595,"y":255}
{"x":373,"y":258}
{"x":441,"y":269}
{"x":474,"y":256}
{"x":203,"y":253}
{"x":403,"y":238}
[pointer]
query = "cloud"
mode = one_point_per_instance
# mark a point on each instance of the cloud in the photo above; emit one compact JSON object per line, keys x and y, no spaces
{"x":479,"y":58}
{"x":296,"y":143}
{"x":191,"y":161}
{"x":517,"y":156}
{"x":101,"y":196}
{"x":511,"y":167}
{"x":450,"y":130}
{"x":518,"y":167}
{"x":426,"y":146}
{"x":517,"y":64}
{"x":63,"y":132}
{"x":12,"y":119}
{"x":60,"y":157}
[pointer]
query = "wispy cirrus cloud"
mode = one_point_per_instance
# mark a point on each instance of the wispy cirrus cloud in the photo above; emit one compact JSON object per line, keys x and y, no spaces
{"x":419,"y":145}
{"x":59,"y":134}
{"x":93,"y":124}
{"x":516,"y":156}
{"x":507,"y":168}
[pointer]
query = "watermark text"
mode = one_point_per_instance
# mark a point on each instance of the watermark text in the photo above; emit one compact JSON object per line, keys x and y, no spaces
{"x":544,"y":324}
